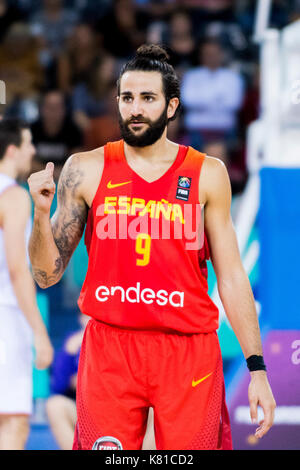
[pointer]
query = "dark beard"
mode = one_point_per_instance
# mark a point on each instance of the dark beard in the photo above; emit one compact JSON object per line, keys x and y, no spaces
{"x":149,"y":136}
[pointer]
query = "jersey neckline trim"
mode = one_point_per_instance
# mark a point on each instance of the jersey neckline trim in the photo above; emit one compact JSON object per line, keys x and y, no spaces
{"x":180,"y":157}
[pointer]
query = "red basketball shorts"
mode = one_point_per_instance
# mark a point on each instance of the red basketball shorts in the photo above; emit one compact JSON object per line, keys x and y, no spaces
{"x":123,"y":372}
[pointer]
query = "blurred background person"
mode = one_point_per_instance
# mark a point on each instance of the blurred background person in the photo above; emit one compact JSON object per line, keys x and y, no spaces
{"x":104,"y":127}
{"x":61,"y":406}
{"x":218,"y":19}
{"x":55,"y":134}
{"x":207,"y":11}
{"x":237,"y":173}
{"x":212,"y":95}
{"x":219,"y":150}
{"x":52,"y":24}
{"x":181,"y":40}
{"x":89,"y":99}
{"x":20,"y":319}
{"x":76,"y":59}
{"x":9,"y":14}
{"x":21,"y":71}
{"x":122,"y":29}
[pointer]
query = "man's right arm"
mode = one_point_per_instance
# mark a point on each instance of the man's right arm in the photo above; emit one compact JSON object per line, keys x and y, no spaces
{"x":53,"y":242}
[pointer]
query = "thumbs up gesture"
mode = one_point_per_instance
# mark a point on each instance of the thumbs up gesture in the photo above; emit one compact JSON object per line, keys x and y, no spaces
{"x":42,"y":188}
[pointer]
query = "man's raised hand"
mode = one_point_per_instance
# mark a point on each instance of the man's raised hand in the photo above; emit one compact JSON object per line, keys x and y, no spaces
{"x":42,"y":188}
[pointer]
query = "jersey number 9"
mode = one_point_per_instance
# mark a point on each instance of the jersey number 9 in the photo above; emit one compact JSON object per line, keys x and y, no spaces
{"x":142,"y":247}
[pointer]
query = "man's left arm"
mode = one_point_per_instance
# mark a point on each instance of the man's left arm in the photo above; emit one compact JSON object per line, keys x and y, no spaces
{"x":233,"y":283}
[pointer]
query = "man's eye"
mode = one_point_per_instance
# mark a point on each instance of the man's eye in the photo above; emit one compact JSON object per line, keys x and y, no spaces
{"x":127,"y":98}
{"x":149,"y":98}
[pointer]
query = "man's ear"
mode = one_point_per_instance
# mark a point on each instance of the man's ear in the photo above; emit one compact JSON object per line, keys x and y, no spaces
{"x":172,"y":106}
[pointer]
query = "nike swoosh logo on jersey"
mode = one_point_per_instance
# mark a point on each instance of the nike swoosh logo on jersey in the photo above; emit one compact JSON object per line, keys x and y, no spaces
{"x":110,"y":185}
{"x":197,"y":382}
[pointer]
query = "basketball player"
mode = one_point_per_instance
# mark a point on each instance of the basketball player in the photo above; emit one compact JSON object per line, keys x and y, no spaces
{"x":19,"y":314}
{"x":152,"y":338}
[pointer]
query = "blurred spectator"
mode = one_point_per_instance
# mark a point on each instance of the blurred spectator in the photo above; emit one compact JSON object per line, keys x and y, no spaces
{"x":212,"y":94}
{"x":91,"y":11}
{"x":121,"y":30}
{"x":61,"y":406}
{"x":206,"y":11}
{"x":180,"y":39}
{"x":9,"y":14}
{"x":218,"y":19}
{"x":176,"y":132}
{"x":217,"y":149}
{"x":20,"y":69}
{"x":75,"y":62}
{"x":89,"y":99}
{"x":52,"y":24}
{"x":235,"y":43}
{"x":55,"y":135}
{"x":28,"y":7}
{"x":156,"y":13}
{"x":104,"y":128}
{"x":237,"y":173}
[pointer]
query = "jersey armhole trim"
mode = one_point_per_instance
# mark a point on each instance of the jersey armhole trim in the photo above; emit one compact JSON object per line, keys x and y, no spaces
{"x":101,"y":179}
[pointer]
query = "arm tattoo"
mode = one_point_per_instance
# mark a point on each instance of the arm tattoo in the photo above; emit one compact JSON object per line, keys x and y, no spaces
{"x":68,"y":233}
{"x":68,"y":221}
{"x":43,"y":279}
{"x":69,"y":226}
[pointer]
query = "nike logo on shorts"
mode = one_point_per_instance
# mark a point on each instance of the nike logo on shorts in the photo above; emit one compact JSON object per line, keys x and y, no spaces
{"x":197,"y":382}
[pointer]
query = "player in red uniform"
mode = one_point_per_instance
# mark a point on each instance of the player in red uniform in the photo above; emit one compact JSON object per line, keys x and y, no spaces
{"x":152,"y":338}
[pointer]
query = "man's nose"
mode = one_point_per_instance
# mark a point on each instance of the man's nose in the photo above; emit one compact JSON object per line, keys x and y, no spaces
{"x":137,"y":108}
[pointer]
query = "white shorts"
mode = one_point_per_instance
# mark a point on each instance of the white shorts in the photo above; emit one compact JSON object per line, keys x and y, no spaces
{"x":15,"y":362}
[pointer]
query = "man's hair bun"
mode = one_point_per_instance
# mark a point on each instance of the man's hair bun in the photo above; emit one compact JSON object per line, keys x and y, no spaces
{"x":152,"y":52}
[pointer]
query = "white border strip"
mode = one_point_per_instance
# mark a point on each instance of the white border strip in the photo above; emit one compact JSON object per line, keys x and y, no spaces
{"x":283,"y":415}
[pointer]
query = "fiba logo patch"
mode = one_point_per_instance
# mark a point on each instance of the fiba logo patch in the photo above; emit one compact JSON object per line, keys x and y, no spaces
{"x":107,"y":443}
{"x":183,"y":188}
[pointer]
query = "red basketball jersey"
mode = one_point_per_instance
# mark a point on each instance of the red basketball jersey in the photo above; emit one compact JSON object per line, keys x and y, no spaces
{"x":147,"y":248}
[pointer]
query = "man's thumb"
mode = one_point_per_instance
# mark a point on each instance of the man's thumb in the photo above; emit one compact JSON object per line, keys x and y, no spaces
{"x":50,"y":167}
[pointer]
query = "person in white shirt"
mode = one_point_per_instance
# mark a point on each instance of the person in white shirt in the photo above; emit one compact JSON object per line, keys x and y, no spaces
{"x":20,"y":319}
{"x":212,"y":94}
